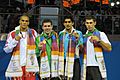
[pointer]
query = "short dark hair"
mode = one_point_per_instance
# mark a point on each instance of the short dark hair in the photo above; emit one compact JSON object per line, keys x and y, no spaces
{"x":47,"y":20}
{"x":90,"y":17}
{"x":25,"y":14}
{"x":68,"y":17}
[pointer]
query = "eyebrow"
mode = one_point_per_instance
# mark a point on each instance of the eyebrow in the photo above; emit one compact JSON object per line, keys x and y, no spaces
{"x":89,"y":22}
{"x":67,"y":21}
{"x":47,"y":25}
{"x":25,"y":20}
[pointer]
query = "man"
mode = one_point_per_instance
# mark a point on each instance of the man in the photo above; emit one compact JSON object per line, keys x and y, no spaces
{"x":71,"y":41}
{"x":94,"y":42}
{"x":21,"y":44}
{"x":48,"y":51}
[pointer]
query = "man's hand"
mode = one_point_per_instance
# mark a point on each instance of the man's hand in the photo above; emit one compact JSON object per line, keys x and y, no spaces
{"x":94,"y":39}
{"x":76,"y":35}
{"x":40,"y":45}
{"x":18,"y":37}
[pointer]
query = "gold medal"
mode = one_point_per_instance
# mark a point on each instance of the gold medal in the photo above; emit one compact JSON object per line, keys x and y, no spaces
{"x":44,"y":42}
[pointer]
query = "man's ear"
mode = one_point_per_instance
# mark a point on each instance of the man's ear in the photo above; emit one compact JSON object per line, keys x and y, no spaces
{"x":42,"y":27}
{"x":19,"y":21}
{"x":28,"y":23}
{"x":52,"y":26}
{"x":95,"y":23}
{"x":72,"y":23}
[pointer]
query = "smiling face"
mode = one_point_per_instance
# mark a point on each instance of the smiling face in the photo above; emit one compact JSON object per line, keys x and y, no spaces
{"x":24,"y":22}
{"x":90,"y":24}
{"x":47,"y":27}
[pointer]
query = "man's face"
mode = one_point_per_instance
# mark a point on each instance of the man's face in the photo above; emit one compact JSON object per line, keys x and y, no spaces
{"x":68,"y":24}
{"x":24,"y":22}
{"x":47,"y":27}
{"x":90,"y":24}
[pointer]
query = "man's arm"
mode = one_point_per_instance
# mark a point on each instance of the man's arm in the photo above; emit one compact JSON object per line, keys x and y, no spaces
{"x":37,"y":50}
{"x":105,"y":46}
{"x":103,"y":41}
{"x":80,"y":41}
{"x":10,"y":43}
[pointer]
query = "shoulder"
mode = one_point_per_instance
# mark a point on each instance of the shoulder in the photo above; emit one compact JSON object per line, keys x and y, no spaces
{"x":33,"y":30}
{"x":41,"y":35}
{"x":37,"y":38}
{"x":12,"y":33}
{"x":61,"y":32}
{"x":104,"y":37}
{"x":102,"y":33}
{"x":54,"y":32}
{"x":79,"y":32}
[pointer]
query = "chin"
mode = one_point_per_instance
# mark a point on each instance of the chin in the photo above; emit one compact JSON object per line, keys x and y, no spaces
{"x":67,"y":28}
{"x":47,"y":32}
{"x":24,"y":27}
{"x":89,"y":29}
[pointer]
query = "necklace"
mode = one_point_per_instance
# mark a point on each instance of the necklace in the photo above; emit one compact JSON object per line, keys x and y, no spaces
{"x":23,"y":34}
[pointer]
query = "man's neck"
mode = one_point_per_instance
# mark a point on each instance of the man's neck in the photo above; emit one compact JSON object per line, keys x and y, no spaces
{"x":48,"y":34}
{"x":23,"y":29}
{"x":69,"y":30}
{"x":92,"y":30}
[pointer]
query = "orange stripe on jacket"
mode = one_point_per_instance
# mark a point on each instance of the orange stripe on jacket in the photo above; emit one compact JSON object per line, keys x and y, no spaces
{"x":97,"y":49}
